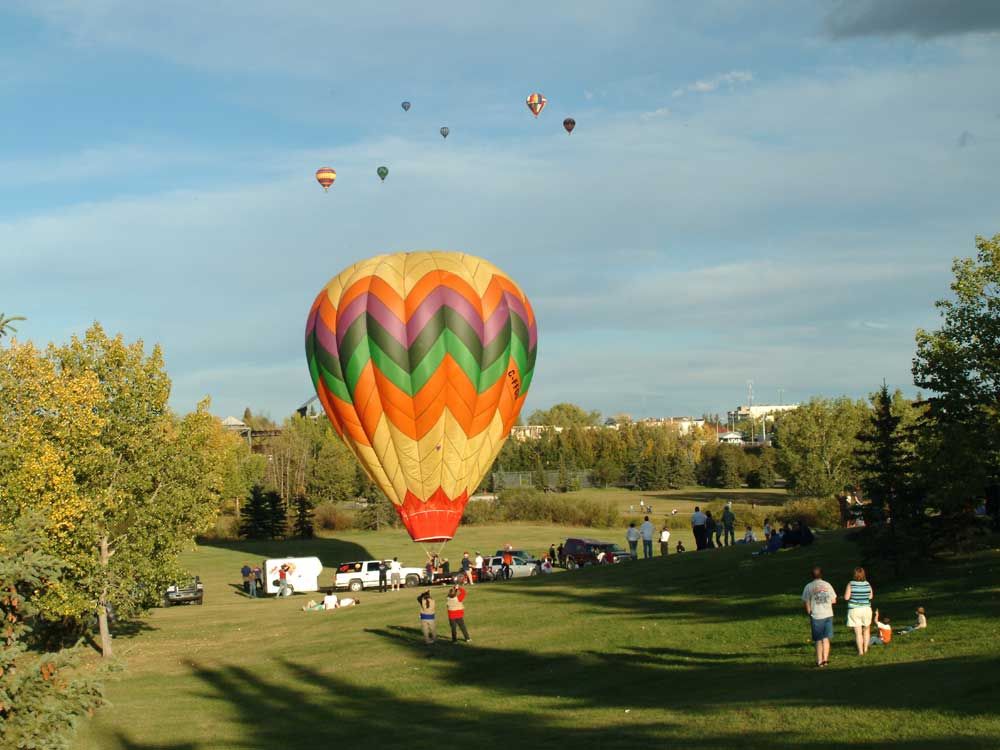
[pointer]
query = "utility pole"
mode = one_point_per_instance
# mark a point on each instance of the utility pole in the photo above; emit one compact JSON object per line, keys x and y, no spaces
{"x":750,"y":408}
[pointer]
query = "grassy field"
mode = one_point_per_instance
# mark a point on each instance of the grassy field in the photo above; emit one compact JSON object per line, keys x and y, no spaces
{"x":701,"y":650}
{"x":683,"y":500}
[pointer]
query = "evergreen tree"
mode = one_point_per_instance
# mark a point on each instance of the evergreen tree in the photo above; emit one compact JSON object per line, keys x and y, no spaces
{"x":377,"y":513}
{"x":302,"y":526}
{"x":727,"y":473}
{"x":679,"y":470}
{"x":538,"y":475}
{"x":563,"y":482}
{"x":277,"y":515}
{"x":254,"y":516}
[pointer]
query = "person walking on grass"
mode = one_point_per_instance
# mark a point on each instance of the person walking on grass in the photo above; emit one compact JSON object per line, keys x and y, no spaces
{"x":729,"y":524}
{"x":456,"y":613}
{"x":859,"y":595}
{"x":383,"y":573}
{"x":427,"y":622}
{"x":632,"y":537}
{"x":818,"y":598}
{"x":665,"y":540}
{"x":646,"y":532}
{"x":698,"y":520}
{"x":395,"y":569}
{"x":467,"y":568}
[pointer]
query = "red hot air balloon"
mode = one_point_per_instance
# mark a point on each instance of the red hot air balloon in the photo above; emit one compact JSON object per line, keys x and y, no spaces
{"x":326,"y":176}
{"x":569,"y":123}
{"x":536,"y":103}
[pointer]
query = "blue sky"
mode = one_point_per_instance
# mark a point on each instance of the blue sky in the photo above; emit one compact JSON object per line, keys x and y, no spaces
{"x":755,"y":190}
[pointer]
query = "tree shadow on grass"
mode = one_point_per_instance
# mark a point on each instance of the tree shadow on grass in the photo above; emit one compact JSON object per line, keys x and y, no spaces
{"x":331,"y":552}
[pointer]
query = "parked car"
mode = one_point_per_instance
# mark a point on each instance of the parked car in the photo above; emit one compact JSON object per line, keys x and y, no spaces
{"x":357,"y":576}
{"x":519,"y":569}
{"x":523,"y":554}
{"x":580,"y":552}
{"x":184,"y":591}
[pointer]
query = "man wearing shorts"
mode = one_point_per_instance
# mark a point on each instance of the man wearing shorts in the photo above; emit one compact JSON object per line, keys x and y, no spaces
{"x":395,"y":569}
{"x":818,"y":598}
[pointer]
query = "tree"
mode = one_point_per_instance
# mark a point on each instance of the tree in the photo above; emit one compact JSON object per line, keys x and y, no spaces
{"x":816,"y":446}
{"x":255,"y":519}
{"x":563,"y":479}
{"x":538,"y":475}
{"x":42,"y":694}
{"x":5,"y":324}
{"x":565,"y":415}
{"x":302,"y":525}
{"x":960,"y":364}
{"x":122,"y":483}
{"x":378,"y":511}
{"x":729,"y":460}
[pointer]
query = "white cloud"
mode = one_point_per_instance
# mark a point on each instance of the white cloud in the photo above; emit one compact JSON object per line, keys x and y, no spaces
{"x":704,"y":86}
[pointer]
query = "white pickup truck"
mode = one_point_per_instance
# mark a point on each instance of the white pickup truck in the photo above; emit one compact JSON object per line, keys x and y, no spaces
{"x":357,"y":576}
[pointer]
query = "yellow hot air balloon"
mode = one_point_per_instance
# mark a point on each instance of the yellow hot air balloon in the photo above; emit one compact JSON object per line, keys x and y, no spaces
{"x":422,"y":361}
{"x":326,"y":176}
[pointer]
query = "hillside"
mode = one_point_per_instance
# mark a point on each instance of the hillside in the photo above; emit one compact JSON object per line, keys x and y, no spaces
{"x":703,"y":651}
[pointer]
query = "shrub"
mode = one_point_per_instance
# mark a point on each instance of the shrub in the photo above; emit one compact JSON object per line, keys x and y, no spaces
{"x":480,"y":511}
{"x":526,"y":504}
{"x":329,"y":516}
{"x":225,"y":528}
{"x":819,"y":513}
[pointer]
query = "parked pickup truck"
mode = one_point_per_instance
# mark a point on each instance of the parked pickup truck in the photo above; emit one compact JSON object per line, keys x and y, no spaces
{"x":357,"y":576}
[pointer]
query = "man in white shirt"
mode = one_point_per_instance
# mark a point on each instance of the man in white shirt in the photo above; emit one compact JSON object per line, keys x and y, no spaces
{"x":664,"y":540}
{"x":330,"y":601}
{"x":646,"y":531}
{"x":395,"y":571}
{"x":698,"y":520}
{"x":479,"y":562}
{"x":818,"y":598}
{"x":632,"y":537}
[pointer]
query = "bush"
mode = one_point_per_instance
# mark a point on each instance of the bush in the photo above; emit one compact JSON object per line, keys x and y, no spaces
{"x":479,"y":512}
{"x":225,"y":528}
{"x":818,"y":513}
{"x":329,"y":516}
{"x":525,"y":504}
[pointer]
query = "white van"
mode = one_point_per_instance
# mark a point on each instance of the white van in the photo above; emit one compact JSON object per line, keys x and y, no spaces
{"x":302,"y":575}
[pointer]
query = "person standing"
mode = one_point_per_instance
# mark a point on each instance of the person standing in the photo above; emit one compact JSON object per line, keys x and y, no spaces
{"x":698,"y":520}
{"x":283,"y":588}
{"x":729,"y":524}
{"x":859,"y":595}
{"x":467,"y":568}
{"x":480,"y":566}
{"x":552,"y":552}
{"x":561,"y":555}
{"x":246,"y":572}
{"x":427,"y":622}
{"x":646,"y":531}
{"x":632,"y":537}
{"x":664,"y":540}
{"x":818,"y":598}
{"x":258,"y":577}
{"x":456,"y":613}
{"x":383,"y":573}
{"x":711,"y":529}
{"x":505,"y":562}
{"x":395,"y":569}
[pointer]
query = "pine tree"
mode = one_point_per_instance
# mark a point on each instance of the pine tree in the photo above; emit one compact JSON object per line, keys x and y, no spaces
{"x":302,"y":526}
{"x":563,"y":483}
{"x":254,"y":516}
{"x":538,"y":475}
{"x":277,"y":515}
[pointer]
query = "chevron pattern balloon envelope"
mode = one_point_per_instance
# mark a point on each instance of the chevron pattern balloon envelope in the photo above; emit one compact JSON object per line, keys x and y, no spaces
{"x":422,"y":362}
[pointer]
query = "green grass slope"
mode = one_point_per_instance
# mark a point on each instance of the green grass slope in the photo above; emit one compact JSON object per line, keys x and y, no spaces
{"x":699,"y":651}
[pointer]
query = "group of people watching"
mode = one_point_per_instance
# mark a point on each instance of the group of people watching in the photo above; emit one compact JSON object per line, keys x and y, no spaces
{"x":331,"y":602}
{"x":456,"y":614}
{"x":819,"y":598}
{"x":706,"y":528}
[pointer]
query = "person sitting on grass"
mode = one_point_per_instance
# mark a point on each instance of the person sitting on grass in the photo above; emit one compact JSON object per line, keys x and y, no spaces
{"x":748,"y":537}
{"x":884,"y":631}
{"x":920,"y":624}
{"x":546,"y":566}
{"x":680,"y":547}
{"x":330,"y":601}
{"x":348,"y":602}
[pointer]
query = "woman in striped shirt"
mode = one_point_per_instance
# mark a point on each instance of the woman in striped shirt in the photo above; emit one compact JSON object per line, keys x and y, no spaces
{"x":859,"y":595}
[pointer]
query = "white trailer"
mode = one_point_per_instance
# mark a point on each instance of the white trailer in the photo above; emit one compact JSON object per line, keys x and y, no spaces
{"x":302,"y":574}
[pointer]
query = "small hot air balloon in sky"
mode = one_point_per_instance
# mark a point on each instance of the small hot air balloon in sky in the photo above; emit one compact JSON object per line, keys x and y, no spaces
{"x":325,"y":176}
{"x":569,"y":123}
{"x":422,"y":362}
{"x":536,"y":103}
{"x":444,"y":132}
{"x":405,"y":106}
{"x":383,"y":172}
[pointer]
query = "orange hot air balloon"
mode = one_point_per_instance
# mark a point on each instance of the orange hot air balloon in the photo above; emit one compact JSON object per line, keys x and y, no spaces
{"x":422,"y":362}
{"x":536,"y":103}
{"x":326,"y":176}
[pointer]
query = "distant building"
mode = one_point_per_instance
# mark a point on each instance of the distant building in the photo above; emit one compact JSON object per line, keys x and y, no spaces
{"x":524,"y":432}
{"x":758,"y":411}
{"x":731,"y":438}
{"x":683,"y":425}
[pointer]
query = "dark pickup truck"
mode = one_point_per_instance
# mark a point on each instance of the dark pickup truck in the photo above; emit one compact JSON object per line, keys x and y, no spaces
{"x":189,"y":590}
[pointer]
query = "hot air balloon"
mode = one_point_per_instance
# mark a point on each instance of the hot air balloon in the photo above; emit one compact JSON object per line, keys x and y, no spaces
{"x":422,"y":361}
{"x":536,"y":103}
{"x":405,"y":106}
{"x":569,"y":123}
{"x":382,"y":172}
{"x":444,"y":132}
{"x":326,"y":177}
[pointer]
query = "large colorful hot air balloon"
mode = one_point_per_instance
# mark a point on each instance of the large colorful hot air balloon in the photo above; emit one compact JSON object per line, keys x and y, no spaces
{"x":444,"y":132}
{"x":405,"y":106}
{"x":536,"y":103}
{"x":422,"y":361}
{"x":569,"y":123}
{"x":326,"y":177}
{"x":382,"y":173}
